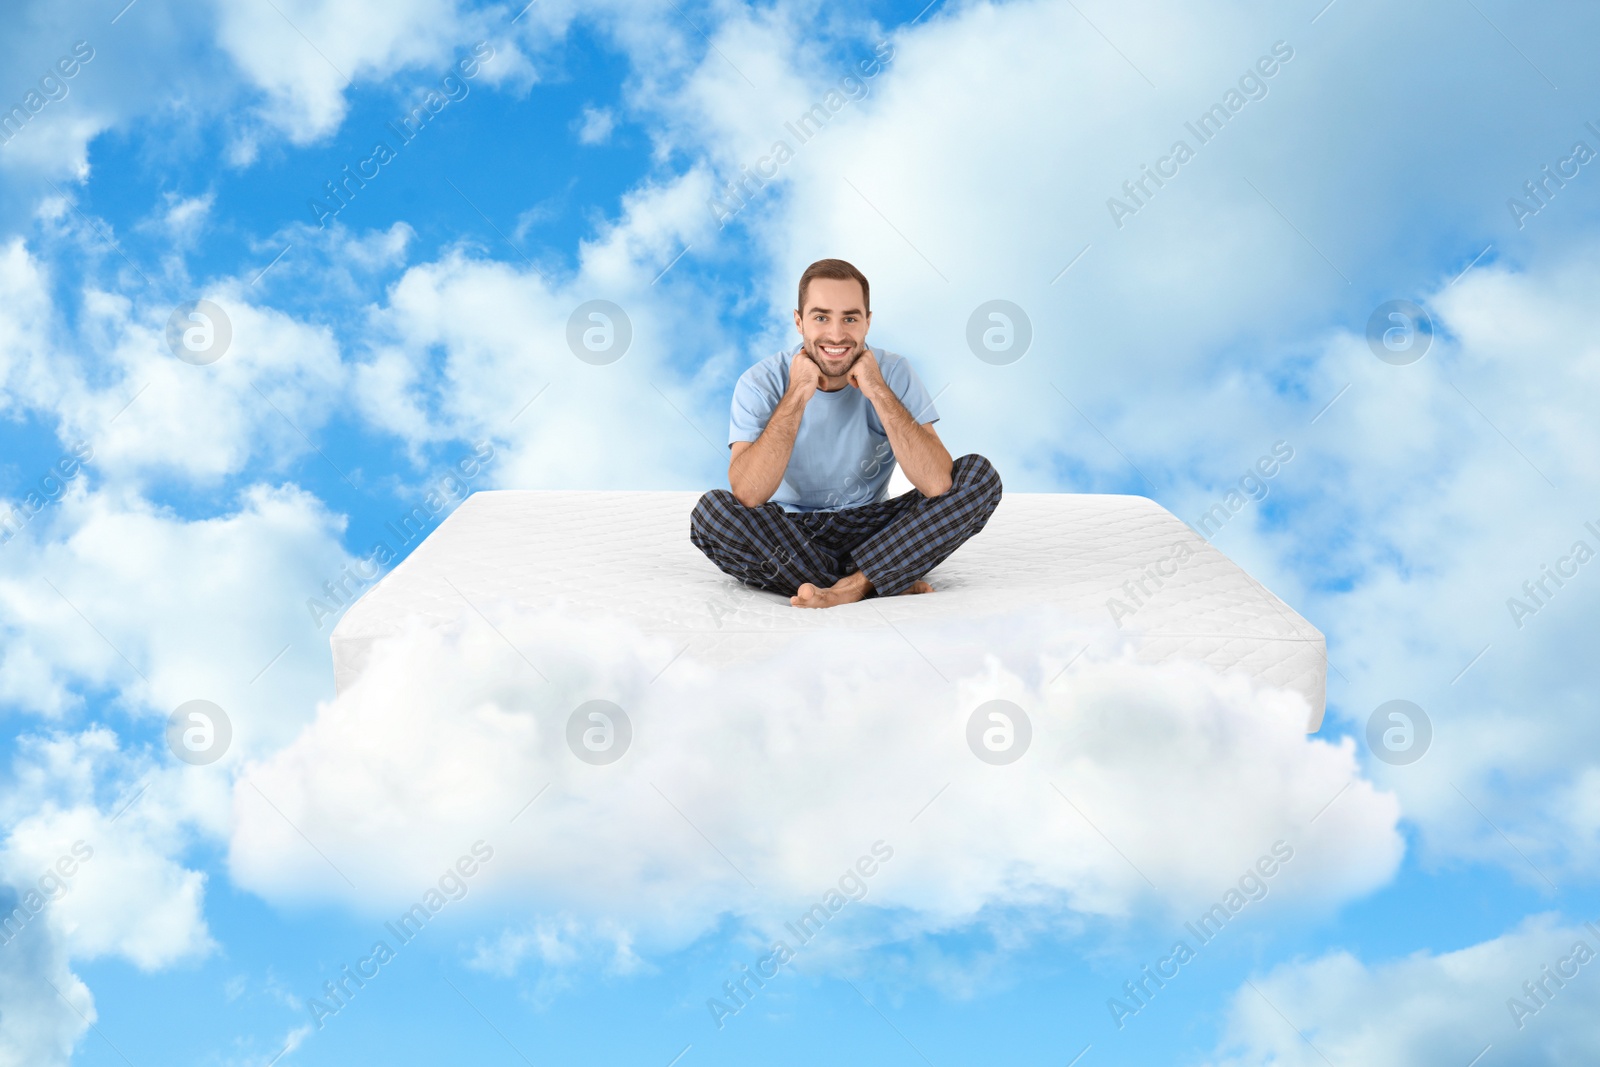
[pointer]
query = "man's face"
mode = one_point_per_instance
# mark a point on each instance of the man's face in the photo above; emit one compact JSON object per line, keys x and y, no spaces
{"x":833,"y":324}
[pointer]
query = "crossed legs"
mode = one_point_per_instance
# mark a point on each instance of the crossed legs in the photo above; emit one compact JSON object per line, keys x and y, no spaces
{"x":820,"y":559}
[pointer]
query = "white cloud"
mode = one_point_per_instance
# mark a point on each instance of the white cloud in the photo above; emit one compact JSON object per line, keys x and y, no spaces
{"x":596,"y":125}
{"x":280,"y":72}
{"x":1426,"y":1009}
{"x":556,"y":943}
{"x":278,"y":380}
{"x":26,"y":373}
{"x":123,"y":390}
{"x":198,"y":608}
{"x":503,"y":334}
{"x":1431,"y":480}
{"x":150,"y":68}
{"x":186,"y":217}
{"x":747,"y":790}
{"x":40,"y":1025}
{"x":51,"y":115}
{"x":113,"y":883}
{"x":81,"y":879}
{"x":305,"y":57}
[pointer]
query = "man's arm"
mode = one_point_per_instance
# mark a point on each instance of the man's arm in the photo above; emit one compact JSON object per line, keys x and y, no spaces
{"x":917,"y":448}
{"x":757,"y":467}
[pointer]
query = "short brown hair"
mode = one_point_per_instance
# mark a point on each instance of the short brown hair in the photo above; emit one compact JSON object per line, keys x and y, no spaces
{"x":838,"y":270}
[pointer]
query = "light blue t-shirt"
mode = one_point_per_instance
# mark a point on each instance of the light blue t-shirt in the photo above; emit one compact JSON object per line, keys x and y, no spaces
{"x":841,"y":457}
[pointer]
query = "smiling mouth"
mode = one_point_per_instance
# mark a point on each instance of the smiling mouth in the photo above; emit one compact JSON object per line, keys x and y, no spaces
{"x":835,"y":352}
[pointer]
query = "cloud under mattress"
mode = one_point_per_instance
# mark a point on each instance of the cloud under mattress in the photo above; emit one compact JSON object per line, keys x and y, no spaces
{"x":1123,"y":574}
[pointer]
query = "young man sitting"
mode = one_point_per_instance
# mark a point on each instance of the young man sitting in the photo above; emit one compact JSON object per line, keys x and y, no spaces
{"x":816,"y":432}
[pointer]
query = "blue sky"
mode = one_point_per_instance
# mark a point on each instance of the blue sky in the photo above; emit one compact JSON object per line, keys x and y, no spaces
{"x":1385,"y":157}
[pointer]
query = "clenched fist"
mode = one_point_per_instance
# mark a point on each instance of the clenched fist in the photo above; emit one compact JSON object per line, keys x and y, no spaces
{"x":804,"y":376}
{"x":866,"y":376}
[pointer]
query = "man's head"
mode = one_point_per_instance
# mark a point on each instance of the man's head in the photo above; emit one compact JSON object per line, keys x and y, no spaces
{"x":834,"y":311}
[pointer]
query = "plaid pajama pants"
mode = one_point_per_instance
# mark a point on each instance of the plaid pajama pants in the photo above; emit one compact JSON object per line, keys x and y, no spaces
{"x":893,"y":542}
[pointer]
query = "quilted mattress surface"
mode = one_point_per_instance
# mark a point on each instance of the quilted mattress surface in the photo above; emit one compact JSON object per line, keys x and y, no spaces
{"x":627,"y":556}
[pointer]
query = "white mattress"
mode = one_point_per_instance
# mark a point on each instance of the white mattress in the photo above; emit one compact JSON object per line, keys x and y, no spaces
{"x":627,"y":556}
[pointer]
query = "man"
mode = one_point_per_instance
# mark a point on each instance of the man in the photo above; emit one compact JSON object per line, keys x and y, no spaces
{"x":815,"y":434}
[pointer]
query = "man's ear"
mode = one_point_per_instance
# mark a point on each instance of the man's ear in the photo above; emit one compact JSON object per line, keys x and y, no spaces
{"x":797,"y":325}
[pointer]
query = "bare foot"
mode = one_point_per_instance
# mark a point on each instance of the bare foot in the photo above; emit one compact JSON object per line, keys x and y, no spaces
{"x":809,"y":596}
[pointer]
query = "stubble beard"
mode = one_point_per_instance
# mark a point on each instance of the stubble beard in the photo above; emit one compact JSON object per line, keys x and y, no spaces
{"x":812,"y":350}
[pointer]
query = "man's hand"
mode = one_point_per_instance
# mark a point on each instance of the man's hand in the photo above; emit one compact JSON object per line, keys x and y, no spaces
{"x":917,"y":448}
{"x":804,"y":376}
{"x":867,"y":377}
